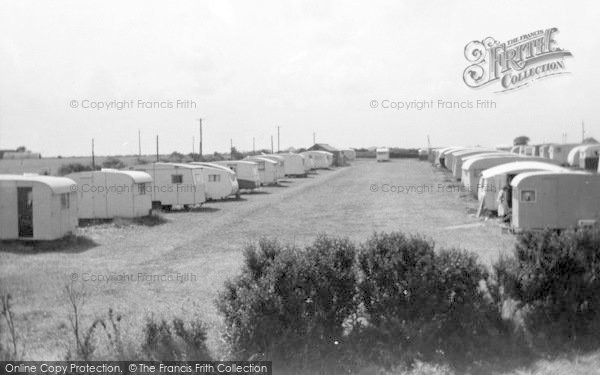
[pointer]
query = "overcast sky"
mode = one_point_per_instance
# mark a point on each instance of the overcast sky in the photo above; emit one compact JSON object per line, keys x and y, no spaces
{"x":307,"y":66}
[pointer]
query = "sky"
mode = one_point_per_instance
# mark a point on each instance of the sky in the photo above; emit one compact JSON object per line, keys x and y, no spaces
{"x":305,"y":66}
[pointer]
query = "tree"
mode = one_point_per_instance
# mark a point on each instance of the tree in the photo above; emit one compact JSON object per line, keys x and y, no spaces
{"x":21,"y":149}
{"x":522,"y":140}
{"x":590,"y":140}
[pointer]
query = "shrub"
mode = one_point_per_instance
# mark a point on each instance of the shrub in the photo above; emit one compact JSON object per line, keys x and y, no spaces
{"x":289,"y":305}
{"x":112,"y":162}
{"x":425,"y":305}
{"x":555,"y":277}
{"x":174,"y":341}
{"x":65,"y":169}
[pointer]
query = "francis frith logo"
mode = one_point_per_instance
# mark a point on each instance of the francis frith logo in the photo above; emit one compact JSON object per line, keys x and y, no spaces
{"x":515,"y":63}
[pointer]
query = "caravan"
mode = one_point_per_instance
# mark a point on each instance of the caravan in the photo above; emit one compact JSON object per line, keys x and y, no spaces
{"x":574,"y":154}
{"x":560,"y":153}
{"x":588,"y":157}
{"x":382,"y":154}
{"x":34,"y":207}
{"x":267,"y":169}
{"x":553,"y":200}
{"x":494,"y":179}
{"x":245,"y":171}
{"x":293,"y":164}
{"x":220,"y":181}
{"x":175,"y":185}
{"x":472,"y":167}
{"x":110,"y":193}
{"x":319,"y":159}
{"x":280,"y":164}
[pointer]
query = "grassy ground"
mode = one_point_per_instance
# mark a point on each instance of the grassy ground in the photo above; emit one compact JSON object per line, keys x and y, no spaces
{"x":206,"y":245}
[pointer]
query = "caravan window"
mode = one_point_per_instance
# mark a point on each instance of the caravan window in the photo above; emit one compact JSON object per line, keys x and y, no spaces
{"x":232,"y":167}
{"x":214,"y":177}
{"x":528,"y":196}
{"x":64,"y":201}
{"x":142,"y":189}
{"x":177,"y":179}
{"x":261,"y":166}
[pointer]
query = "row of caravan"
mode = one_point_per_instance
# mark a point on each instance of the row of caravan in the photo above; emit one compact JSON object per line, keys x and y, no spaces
{"x":35,"y":207}
{"x":576,"y":155}
{"x":532,"y":192}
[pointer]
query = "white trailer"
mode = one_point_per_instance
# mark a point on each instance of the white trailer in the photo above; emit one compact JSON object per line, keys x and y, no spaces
{"x":553,"y":200}
{"x":246,"y":173}
{"x":382,"y":154}
{"x":110,"y":193}
{"x":293,"y":164}
{"x":220,"y":181}
{"x":495,"y":179}
{"x":268,"y":169}
{"x":280,"y":164}
{"x":320,"y":159}
{"x":175,"y":185}
{"x":34,"y":207}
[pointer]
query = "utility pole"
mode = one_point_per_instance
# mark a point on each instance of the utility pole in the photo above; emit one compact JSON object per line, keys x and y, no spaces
{"x":200,"y":145}
{"x":157,"y":147}
{"x":139,"y":143}
{"x":314,"y":138}
{"x":428,"y":143}
{"x":193,"y":146}
{"x":278,"y":148}
{"x":93,"y":156}
{"x":230,"y":148}
{"x":253,"y":146}
{"x":271,"y":144}
{"x":582,"y":132}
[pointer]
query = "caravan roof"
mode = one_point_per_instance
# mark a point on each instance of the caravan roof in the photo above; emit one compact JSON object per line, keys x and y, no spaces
{"x":521,"y":176}
{"x":137,"y":176}
{"x":521,"y":166}
{"x":58,"y":185}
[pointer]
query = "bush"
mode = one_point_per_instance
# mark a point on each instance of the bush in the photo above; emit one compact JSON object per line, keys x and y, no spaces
{"x":555,"y":277}
{"x":114,"y":163}
{"x":425,"y":305}
{"x":289,"y":305}
{"x":164,"y":341}
{"x":65,"y":169}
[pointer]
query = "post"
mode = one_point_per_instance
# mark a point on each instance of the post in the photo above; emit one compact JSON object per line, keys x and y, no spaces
{"x":230,"y":148}
{"x":157,"y":148}
{"x":253,"y":146}
{"x":193,"y":146}
{"x":200,"y":145}
{"x":278,"y":147}
{"x":314,"y":138}
{"x":139,"y":143}
{"x":582,"y":132}
{"x":271,"y":144}
{"x":93,"y":156}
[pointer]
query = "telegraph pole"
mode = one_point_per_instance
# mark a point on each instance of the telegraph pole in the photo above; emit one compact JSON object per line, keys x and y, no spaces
{"x":582,"y":132}
{"x":93,"y":156}
{"x":193,"y":146}
{"x":230,"y":148}
{"x":314,"y":138}
{"x":253,"y":146}
{"x":157,"y":147}
{"x":139,"y":143}
{"x":271,"y":144}
{"x":278,"y":148}
{"x":200,"y":144}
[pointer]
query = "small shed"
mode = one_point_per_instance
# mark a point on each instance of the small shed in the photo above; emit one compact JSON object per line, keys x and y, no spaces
{"x":34,"y":207}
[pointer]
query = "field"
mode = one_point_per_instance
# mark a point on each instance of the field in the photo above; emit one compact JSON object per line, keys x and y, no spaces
{"x":206,"y":246}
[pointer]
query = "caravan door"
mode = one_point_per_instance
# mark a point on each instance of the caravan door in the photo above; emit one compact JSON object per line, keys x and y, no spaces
{"x":25,"y":211}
